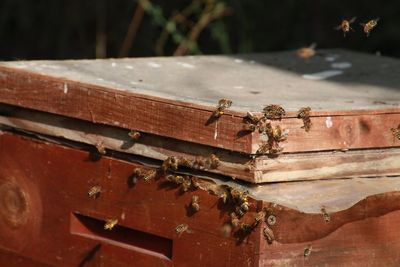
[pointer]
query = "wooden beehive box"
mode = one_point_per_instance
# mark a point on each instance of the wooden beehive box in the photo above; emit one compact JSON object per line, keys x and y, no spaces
{"x":67,"y":127}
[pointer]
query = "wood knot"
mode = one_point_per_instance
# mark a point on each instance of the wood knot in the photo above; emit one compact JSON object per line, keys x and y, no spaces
{"x":13,"y":205}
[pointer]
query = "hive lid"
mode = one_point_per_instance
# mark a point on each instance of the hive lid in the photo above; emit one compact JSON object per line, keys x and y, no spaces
{"x":354,"y":97}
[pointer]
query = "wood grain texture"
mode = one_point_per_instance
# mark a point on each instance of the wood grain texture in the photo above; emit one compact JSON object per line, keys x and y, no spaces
{"x":286,"y":167}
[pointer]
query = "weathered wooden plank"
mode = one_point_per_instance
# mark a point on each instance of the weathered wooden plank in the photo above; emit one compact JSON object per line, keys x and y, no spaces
{"x":343,"y":116}
{"x":286,"y":167}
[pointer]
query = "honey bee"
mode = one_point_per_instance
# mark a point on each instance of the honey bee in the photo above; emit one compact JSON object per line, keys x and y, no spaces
{"x":195,"y":182}
{"x":212,"y":162}
{"x":367,"y":27}
{"x":304,"y":114}
{"x":151,"y":174}
{"x":396,"y":132}
{"x":94,"y":192}
{"x":100,"y":148}
{"x":195,"y":203}
{"x":170,"y":163}
{"x":187,"y":184}
{"x":235,"y":220}
{"x":325,"y":214}
{"x":177,"y":179}
{"x":224,"y":197}
{"x":110,"y":224}
{"x":306,"y":52}
{"x":185,"y":162}
{"x":259,"y":217}
{"x":222,"y":105}
{"x":239,"y":212}
{"x":182,"y":228}
{"x":251,"y":122}
{"x":274,"y":112}
{"x":135,"y":135}
{"x":226,"y":230}
{"x":246,"y":227}
{"x":199,"y":163}
{"x":307,"y":251}
{"x":345,"y":25}
{"x":269,"y":235}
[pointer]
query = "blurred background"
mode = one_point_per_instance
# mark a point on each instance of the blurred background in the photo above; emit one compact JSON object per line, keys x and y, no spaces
{"x":68,"y":29}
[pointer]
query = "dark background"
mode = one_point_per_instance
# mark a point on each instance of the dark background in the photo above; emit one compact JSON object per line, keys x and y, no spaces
{"x":49,"y":29}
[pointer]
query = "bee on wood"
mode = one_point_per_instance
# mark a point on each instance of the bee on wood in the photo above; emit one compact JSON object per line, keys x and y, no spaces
{"x":306,"y":52}
{"x":170,"y":163}
{"x":177,"y":179}
{"x":222,"y":105}
{"x":367,"y":27}
{"x":195,"y":203}
{"x":184,"y":162}
{"x":110,"y":224}
{"x":259,"y":217}
{"x":134,"y":135}
{"x":224,"y":197}
{"x":100,"y":148}
{"x":269,"y":235}
{"x":187,"y":184}
{"x":226,"y":230}
{"x":149,"y":175}
{"x":251,"y":122}
{"x":199,"y":163}
{"x":240,"y":213}
{"x":94,"y":192}
{"x":396,"y":132}
{"x":325,"y":214}
{"x":245,"y":227}
{"x":274,"y":112}
{"x":235,"y":220}
{"x":182,"y":228}
{"x":195,"y":182}
{"x":132,"y":180}
{"x":307,"y":251}
{"x":304,"y":114}
{"x":212,"y":162}
{"x":345,"y":25}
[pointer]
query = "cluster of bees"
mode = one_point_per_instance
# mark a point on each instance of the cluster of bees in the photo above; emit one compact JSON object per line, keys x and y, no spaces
{"x":209,"y":163}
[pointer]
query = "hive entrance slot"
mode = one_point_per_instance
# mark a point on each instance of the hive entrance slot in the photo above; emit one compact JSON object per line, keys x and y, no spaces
{"x":121,"y":236}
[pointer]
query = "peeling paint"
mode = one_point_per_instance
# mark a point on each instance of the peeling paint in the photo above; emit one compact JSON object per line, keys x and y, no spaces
{"x":328,"y":122}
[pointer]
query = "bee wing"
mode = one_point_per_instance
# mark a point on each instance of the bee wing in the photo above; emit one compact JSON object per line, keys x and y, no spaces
{"x":338,"y":27}
{"x":352,"y":20}
{"x":313,"y":46}
{"x":377,"y":19}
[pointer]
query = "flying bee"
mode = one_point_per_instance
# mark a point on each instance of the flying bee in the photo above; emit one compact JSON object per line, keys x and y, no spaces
{"x":345,"y":26}
{"x":94,"y":192}
{"x":307,"y":52}
{"x":149,"y":175}
{"x":170,"y":163}
{"x":367,"y":27}
{"x":182,"y":228}
{"x":135,"y":135}
{"x":304,"y":114}
{"x":110,"y":224}
{"x":195,"y":203}
{"x":222,"y":105}
{"x":396,"y":132}
{"x":100,"y":148}
{"x":274,"y":112}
